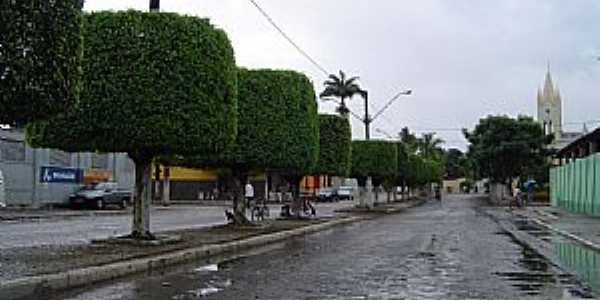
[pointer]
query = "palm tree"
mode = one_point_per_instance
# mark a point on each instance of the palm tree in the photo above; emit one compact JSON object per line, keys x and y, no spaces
{"x":430,"y":146}
{"x":342,"y":88}
{"x":409,"y":140}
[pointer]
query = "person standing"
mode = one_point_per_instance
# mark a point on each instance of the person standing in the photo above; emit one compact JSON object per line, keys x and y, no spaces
{"x":530,"y":189}
{"x":249,"y":193}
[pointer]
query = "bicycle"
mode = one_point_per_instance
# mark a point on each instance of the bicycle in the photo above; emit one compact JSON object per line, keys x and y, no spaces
{"x":260,"y":211}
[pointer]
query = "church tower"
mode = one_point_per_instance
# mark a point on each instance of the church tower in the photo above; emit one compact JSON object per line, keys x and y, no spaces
{"x":549,"y":107}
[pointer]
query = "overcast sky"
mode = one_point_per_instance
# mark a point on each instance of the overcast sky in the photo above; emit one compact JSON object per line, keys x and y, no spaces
{"x":463,"y":59}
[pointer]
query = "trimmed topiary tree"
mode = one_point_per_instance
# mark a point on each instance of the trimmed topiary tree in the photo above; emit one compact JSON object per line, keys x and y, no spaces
{"x":277,"y":131}
{"x":375,"y":159}
{"x":40,"y":56}
{"x":155,"y":84}
{"x":278,"y":125}
{"x":335,"y":142}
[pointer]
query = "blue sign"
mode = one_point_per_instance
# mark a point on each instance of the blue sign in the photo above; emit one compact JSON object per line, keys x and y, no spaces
{"x":61,"y":175}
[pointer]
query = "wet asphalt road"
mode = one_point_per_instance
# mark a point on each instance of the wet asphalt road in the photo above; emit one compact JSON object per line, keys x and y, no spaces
{"x":81,"y":230}
{"x":438,"y":251}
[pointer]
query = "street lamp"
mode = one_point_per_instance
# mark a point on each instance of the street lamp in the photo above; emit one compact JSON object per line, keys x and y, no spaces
{"x":368,"y":119}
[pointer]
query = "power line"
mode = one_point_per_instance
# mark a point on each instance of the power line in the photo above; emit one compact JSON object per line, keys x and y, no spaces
{"x":288,"y":38}
{"x":300,"y":50}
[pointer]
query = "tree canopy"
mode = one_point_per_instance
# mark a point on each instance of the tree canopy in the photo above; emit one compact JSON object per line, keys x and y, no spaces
{"x":278,"y":127}
{"x":374,"y":159}
{"x":335,"y":146}
{"x":455,"y":163}
{"x":171,"y":89}
{"x":429,"y":146}
{"x":40,"y":56}
{"x":502,"y":147}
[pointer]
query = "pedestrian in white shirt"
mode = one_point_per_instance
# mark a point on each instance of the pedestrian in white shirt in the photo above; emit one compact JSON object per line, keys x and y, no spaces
{"x":249,"y":193}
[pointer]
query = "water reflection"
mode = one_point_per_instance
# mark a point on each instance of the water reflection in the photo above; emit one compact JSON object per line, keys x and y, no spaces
{"x":583,"y":261}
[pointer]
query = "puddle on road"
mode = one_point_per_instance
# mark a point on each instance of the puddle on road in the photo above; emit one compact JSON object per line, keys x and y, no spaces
{"x":539,"y":273}
{"x":581,"y":260}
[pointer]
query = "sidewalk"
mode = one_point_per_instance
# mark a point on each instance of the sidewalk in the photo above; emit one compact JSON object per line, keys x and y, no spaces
{"x":26,"y":269}
{"x":575,"y":226}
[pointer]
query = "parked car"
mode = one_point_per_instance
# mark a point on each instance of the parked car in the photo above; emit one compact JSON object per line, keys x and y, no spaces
{"x":345,"y":193}
{"x":99,"y":195}
{"x":336,"y":194}
{"x":327,"y":195}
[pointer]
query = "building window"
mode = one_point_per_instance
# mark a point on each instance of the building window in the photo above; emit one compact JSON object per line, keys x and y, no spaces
{"x":99,"y":161}
{"x":12,"y":151}
{"x":60,"y":158}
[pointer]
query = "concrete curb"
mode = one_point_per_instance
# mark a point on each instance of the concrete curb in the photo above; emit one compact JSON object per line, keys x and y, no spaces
{"x":27,"y":286}
{"x":566,"y":234}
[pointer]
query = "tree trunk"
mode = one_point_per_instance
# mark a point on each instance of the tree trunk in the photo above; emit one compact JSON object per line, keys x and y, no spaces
{"x":142,"y":198}
{"x":166,"y":187}
{"x":297,"y":201}
{"x":239,"y":198}
{"x":158,"y":185}
{"x":295,"y":184}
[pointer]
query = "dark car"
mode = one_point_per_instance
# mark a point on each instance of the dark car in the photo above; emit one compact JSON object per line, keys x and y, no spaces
{"x":99,"y":195}
{"x":334,"y":194}
{"x":327,"y":195}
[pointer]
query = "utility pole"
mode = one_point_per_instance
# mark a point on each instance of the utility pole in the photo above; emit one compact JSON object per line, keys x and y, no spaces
{"x":154,"y":5}
{"x":367,"y":119}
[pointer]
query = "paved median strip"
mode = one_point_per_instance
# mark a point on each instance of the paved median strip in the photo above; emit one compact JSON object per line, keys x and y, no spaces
{"x":23,"y":287}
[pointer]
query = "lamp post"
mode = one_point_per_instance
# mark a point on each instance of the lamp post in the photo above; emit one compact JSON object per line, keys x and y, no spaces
{"x":367,"y":120}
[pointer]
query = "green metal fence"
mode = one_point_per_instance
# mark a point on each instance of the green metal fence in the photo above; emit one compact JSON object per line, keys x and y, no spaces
{"x":576,"y":186}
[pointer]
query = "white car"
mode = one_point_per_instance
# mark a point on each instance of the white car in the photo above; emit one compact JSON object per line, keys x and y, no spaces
{"x":345,"y":193}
